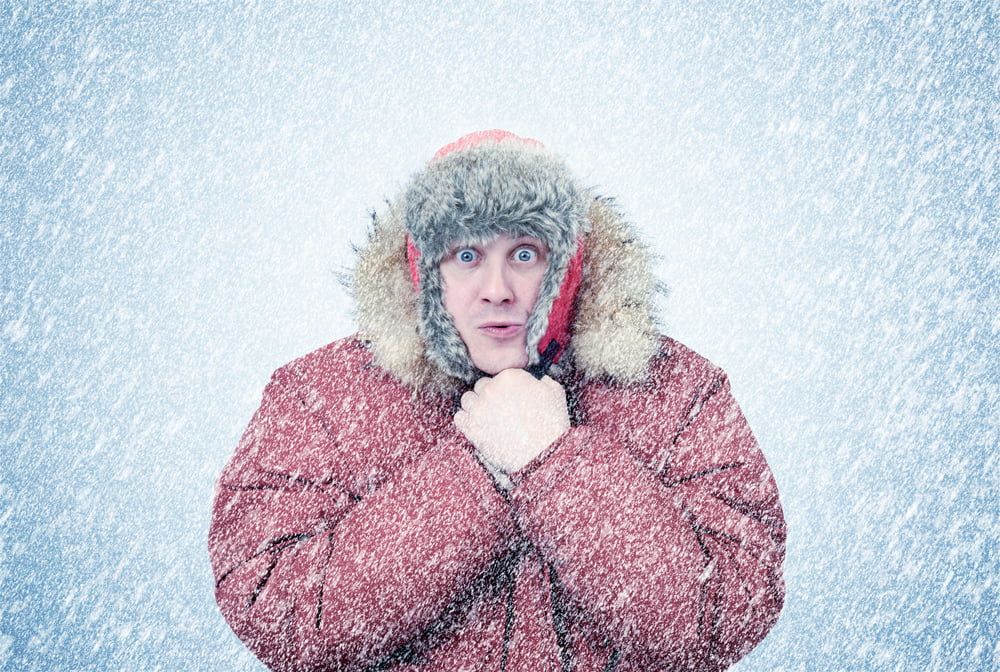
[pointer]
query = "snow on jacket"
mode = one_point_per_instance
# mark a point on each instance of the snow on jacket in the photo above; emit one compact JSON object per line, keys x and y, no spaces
{"x":355,"y":529}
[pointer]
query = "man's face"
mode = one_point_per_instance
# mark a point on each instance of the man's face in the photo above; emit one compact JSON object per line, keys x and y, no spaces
{"x":490,"y":291}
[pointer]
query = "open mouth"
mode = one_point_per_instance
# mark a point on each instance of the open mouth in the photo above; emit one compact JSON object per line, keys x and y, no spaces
{"x":501,"y":329}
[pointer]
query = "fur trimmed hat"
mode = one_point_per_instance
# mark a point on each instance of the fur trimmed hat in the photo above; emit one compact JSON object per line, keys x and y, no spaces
{"x":596,"y":300}
{"x":473,"y":190}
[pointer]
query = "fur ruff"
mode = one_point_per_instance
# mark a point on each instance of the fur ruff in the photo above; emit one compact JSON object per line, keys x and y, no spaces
{"x":614,"y":330}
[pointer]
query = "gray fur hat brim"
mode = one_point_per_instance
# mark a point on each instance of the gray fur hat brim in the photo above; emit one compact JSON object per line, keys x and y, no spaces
{"x":471,"y":197}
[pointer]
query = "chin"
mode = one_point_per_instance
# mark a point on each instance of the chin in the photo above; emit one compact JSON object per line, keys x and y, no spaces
{"x":497,"y":368}
{"x":494,"y":365}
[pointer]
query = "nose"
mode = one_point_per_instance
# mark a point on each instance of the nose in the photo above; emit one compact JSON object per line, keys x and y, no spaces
{"x":495,"y":282}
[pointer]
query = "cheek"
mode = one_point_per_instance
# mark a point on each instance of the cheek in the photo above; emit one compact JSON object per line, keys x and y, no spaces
{"x":453,"y":300}
{"x":532,"y":287}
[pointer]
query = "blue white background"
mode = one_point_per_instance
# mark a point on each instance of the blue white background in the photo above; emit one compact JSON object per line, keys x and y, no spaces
{"x":180,"y":186}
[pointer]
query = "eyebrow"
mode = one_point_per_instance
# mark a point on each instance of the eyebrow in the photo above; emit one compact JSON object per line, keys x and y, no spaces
{"x":539,"y":245}
{"x":452,"y":249}
{"x":529,"y":240}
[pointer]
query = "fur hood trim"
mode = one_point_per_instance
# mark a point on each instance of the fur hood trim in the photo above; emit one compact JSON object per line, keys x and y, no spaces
{"x":614,"y":334}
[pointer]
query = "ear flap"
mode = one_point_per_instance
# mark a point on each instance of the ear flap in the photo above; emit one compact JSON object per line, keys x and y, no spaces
{"x":412,"y":257}
{"x":561,"y":314}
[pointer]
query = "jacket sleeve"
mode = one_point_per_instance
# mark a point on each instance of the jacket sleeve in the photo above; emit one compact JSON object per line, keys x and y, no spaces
{"x":312,"y":574}
{"x":676,"y":564}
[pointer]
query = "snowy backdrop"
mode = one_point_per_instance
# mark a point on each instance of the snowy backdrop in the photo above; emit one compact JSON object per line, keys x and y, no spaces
{"x":180,"y":186}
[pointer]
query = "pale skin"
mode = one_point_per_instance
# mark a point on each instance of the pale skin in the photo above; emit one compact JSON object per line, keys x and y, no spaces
{"x":512,"y":417}
{"x":490,"y":290}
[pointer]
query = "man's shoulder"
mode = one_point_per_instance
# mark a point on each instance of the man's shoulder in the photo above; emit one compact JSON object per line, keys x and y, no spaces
{"x":677,"y":366}
{"x":679,"y":357}
{"x":342,"y":351}
{"x":344,"y":364}
{"x":674,"y":370}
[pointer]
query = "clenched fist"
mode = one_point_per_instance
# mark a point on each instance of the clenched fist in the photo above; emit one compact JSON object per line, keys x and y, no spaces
{"x":513,"y":417}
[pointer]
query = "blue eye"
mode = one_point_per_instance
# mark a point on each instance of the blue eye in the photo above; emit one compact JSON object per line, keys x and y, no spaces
{"x":525,"y":254}
{"x":466,"y":256}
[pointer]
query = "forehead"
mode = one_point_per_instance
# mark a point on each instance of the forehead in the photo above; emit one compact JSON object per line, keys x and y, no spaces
{"x":503,"y":240}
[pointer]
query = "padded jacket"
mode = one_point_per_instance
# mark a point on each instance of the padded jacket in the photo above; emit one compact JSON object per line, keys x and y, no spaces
{"x":355,"y":528}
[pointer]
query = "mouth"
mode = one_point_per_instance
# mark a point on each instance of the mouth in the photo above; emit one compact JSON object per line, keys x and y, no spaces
{"x":501,"y":330}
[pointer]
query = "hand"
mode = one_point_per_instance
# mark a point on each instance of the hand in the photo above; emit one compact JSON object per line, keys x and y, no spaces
{"x":512,"y":417}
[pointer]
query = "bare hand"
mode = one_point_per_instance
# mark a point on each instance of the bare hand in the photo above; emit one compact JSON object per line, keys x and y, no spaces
{"x":512,"y":417}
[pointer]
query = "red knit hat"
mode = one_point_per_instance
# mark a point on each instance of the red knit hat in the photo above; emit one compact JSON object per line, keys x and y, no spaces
{"x":479,"y":137}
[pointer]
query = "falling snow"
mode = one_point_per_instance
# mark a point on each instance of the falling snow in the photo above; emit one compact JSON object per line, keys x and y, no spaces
{"x":182,"y":184}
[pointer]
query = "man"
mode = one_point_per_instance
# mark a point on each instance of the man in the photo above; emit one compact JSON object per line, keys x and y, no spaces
{"x":507,"y":468}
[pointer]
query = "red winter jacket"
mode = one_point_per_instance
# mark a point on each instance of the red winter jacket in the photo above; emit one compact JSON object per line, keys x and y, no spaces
{"x":354,"y":528}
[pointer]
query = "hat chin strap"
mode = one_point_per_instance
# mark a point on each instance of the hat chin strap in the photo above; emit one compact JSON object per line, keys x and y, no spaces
{"x":548,"y":356}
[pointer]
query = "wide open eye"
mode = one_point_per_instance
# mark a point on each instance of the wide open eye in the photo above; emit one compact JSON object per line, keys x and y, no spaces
{"x":525,"y":254}
{"x":466,"y":256}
